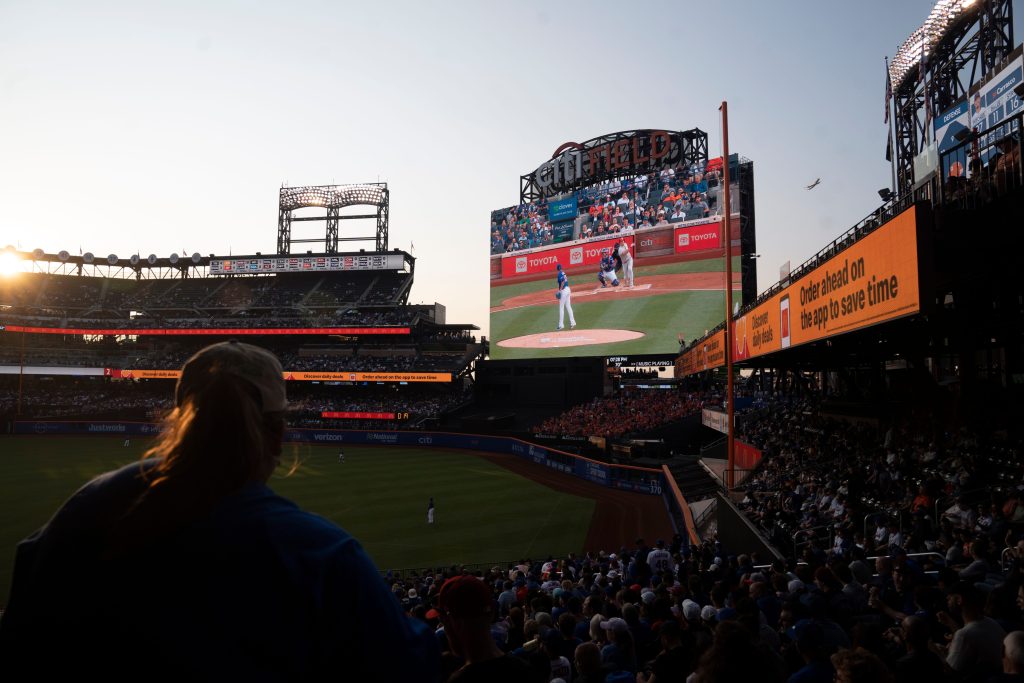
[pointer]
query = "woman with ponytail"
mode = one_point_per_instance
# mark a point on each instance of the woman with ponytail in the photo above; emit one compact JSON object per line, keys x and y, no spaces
{"x":187,"y":566}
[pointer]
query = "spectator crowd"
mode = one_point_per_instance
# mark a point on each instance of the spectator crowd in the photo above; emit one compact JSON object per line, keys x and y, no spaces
{"x":675,"y":612}
{"x":628,"y":411}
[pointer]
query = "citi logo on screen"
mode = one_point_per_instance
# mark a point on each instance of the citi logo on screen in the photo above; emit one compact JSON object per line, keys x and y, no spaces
{"x":576,"y":255}
{"x":521,"y":264}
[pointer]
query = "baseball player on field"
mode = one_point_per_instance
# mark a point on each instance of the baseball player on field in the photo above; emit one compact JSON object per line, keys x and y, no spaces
{"x":564,"y":296}
{"x":607,"y":273}
{"x":627,"y":261}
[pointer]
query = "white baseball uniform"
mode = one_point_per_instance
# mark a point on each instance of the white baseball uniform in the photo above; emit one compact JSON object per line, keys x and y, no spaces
{"x":627,"y":263}
{"x":564,"y":301}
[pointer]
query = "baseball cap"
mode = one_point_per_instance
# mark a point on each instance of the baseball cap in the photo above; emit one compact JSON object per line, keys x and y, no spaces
{"x":558,"y":266}
{"x":464,"y":596}
{"x":252,"y":364}
{"x":691,"y":610}
{"x":615,"y":624}
{"x":708,"y":613}
{"x":649,"y":597}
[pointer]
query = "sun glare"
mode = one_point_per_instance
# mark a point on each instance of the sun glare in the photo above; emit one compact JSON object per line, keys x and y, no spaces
{"x":9,"y":264}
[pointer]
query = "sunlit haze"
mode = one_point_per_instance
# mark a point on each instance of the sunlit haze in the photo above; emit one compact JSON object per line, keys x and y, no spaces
{"x":158,"y":127}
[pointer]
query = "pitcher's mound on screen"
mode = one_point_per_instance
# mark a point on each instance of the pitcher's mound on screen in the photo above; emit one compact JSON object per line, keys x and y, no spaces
{"x":577,"y":337}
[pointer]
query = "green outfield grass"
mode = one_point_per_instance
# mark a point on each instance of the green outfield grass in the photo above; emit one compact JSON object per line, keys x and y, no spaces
{"x":484,"y":512}
{"x":661,"y":317}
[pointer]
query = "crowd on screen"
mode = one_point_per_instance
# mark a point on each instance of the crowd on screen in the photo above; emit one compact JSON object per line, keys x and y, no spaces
{"x":705,"y":614}
{"x":669,"y":196}
{"x":628,"y":411}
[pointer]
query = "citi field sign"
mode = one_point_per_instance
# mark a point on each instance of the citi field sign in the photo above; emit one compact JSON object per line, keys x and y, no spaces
{"x":576,"y":164}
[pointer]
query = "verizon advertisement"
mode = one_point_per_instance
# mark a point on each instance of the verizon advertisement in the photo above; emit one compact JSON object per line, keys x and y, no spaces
{"x":696,"y":238}
{"x":546,"y":260}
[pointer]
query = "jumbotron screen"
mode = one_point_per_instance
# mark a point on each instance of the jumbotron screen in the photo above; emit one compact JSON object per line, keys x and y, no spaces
{"x":642,"y":263}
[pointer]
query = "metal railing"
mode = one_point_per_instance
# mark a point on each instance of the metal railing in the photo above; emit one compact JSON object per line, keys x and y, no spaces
{"x":985,"y":166}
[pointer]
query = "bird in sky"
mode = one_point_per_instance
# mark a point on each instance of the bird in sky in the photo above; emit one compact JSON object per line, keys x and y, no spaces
{"x":813,"y":185}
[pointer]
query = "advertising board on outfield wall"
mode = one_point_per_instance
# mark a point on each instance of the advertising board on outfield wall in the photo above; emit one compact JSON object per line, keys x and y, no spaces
{"x":368,"y":376}
{"x":122,"y":373}
{"x":873,"y":281}
{"x":625,"y":477}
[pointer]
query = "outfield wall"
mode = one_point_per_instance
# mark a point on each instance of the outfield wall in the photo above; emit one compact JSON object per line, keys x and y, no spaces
{"x":624,"y":477}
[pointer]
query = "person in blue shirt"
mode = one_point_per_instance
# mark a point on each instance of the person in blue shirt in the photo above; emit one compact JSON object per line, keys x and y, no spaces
{"x":564,"y":296}
{"x":187,"y":566}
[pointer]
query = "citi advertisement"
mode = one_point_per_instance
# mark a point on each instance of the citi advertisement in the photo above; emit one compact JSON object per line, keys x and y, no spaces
{"x":873,"y":281}
{"x":547,"y":260}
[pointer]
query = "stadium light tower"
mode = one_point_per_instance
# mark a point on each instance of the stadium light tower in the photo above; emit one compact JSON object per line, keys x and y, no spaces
{"x":333,"y":198}
{"x":959,"y":44}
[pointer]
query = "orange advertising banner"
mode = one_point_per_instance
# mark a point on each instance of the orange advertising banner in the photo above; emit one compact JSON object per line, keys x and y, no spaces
{"x":873,"y":281}
{"x":118,"y":373}
{"x":368,"y":376}
{"x":706,"y":355}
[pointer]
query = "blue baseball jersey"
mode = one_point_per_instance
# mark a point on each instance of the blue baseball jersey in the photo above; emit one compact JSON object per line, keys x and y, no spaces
{"x":607,"y":263}
{"x":563,"y":281}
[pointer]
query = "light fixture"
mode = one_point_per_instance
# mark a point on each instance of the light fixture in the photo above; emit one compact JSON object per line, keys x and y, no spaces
{"x":919,"y":44}
{"x":965,"y":134}
{"x":885,"y":193}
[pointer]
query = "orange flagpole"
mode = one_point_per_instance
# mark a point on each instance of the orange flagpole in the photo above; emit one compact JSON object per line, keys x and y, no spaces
{"x":730,"y":406}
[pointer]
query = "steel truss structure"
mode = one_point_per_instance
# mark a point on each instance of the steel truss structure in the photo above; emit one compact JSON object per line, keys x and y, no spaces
{"x":332,"y":198}
{"x":958,"y":50}
{"x":688,"y":147}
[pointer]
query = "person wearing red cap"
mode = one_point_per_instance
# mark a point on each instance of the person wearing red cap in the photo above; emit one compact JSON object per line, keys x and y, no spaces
{"x":466,"y":606}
